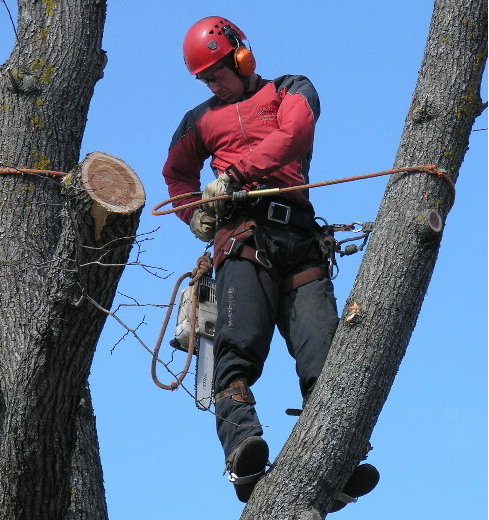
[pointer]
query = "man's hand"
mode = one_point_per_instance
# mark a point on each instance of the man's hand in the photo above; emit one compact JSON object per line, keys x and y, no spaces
{"x":223,"y":185}
{"x":202,"y":225}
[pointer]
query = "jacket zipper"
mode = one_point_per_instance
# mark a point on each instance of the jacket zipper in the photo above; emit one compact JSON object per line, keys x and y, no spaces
{"x":248,"y":144}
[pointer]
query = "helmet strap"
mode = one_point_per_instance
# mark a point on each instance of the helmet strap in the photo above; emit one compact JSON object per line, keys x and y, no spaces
{"x":246,"y":83}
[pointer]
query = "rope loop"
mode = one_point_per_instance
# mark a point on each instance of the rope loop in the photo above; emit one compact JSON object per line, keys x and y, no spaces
{"x":204,"y":266}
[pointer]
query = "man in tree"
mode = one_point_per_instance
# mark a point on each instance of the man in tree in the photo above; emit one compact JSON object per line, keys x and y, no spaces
{"x":271,"y":256}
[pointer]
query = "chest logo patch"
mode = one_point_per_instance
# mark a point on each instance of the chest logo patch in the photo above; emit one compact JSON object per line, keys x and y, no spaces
{"x":267,"y":114}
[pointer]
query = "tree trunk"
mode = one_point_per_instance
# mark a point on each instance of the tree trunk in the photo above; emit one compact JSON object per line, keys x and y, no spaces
{"x":58,"y":234}
{"x":332,"y":434}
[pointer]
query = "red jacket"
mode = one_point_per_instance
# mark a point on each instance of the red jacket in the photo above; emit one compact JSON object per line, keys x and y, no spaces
{"x":267,"y":137}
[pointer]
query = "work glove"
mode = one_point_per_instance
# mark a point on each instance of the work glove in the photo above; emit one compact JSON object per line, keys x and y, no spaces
{"x":202,"y":225}
{"x":223,"y":185}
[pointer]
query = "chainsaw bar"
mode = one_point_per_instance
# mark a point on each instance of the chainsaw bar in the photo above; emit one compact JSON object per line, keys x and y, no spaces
{"x":206,"y":324}
{"x":204,"y":374}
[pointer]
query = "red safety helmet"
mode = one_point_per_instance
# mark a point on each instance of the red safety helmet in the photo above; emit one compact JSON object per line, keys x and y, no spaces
{"x":206,"y":43}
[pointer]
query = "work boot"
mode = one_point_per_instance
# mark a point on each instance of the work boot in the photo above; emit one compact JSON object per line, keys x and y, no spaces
{"x":363,"y":480}
{"x":246,"y":465}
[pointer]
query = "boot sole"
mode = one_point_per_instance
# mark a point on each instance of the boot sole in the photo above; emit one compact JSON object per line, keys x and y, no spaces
{"x":251,"y":458}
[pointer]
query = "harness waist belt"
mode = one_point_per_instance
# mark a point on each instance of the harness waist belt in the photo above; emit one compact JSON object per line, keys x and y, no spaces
{"x":278,"y":213}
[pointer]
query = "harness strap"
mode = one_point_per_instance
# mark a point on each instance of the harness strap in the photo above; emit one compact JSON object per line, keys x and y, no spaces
{"x":230,"y":241}
{"x":296,"y":280}
{"x":258,"y":256}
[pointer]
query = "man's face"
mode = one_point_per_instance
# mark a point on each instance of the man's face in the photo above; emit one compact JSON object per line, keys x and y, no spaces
{"x":223,"y":82}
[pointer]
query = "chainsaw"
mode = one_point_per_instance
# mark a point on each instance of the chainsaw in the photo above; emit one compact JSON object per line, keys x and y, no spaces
{"x":205,"y":324}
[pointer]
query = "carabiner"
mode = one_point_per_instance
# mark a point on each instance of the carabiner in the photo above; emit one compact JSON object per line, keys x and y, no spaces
{"x":266,"y":265}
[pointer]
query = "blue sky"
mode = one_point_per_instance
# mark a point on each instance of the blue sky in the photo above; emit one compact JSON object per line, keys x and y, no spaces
{"x":161,"y":457}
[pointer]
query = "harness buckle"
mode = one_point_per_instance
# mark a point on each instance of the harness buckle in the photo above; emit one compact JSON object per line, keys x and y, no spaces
{"x":279,"y":213}
{"x":233,"y":248}
{"x":265,"y":262}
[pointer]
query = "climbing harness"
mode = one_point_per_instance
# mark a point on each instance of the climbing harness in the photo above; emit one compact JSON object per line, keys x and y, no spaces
{"x":242,"y":237}
{"x":239,"y":196}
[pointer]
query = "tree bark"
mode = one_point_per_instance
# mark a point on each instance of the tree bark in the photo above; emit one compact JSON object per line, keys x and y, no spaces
{"x":58,"y":237}
{"x":87,"y":496}
{"x":332,"y":434}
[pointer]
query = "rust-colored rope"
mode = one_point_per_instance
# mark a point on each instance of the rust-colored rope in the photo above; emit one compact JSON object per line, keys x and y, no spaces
{"x":52,"y":173}
{"x":204,"y":266}
{"x":427,"y":168}
{"x":164,"y":326}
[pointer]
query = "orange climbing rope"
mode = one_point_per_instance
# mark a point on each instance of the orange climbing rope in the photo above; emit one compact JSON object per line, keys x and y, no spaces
{"x":204,"y":266}
{"x":427,"y":168}
{"x":6,"y":169}
{"x":175,"y":384}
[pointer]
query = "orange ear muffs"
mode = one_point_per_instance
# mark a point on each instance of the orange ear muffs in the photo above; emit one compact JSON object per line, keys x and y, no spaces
{"x":244,"y":61}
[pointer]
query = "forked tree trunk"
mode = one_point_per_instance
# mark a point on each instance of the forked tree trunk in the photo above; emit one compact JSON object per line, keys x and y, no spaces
{"x":54,"y":240}
{"x":331,"y":435}
{"x":56,"y":234}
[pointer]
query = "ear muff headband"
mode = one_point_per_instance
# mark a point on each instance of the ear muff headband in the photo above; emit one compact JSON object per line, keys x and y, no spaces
{"x":244,"y":61}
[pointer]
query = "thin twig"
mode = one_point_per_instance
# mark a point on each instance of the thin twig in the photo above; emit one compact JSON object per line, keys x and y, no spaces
{"x":11,"y":19}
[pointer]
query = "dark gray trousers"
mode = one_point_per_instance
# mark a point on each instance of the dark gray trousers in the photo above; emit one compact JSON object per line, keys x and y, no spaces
{"x":249,"y":307}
